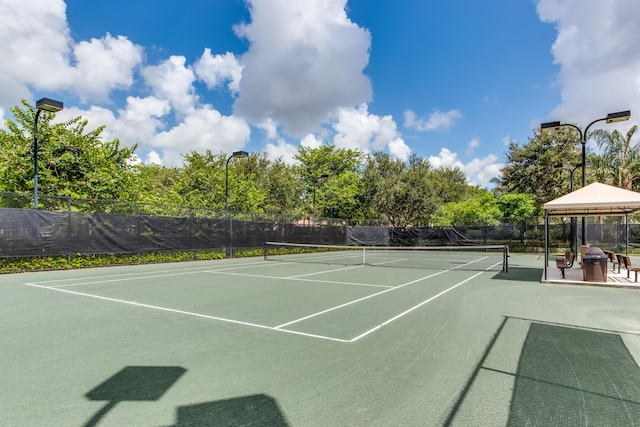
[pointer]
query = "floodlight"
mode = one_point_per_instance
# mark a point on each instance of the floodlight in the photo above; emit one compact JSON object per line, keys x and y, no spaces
{"x":52,"y":106}
{"x":49,"y":105}
{"x":618,"y":117}
{"x":550,"y":126}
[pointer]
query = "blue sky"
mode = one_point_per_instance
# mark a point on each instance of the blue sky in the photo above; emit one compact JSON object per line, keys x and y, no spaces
{"x":451,"y":81}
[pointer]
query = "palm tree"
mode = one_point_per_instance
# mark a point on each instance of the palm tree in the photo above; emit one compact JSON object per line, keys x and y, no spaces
{"x":619,"y":158}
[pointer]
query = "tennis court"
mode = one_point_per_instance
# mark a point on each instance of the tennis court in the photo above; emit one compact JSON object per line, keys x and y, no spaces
{"x":262,"y":342}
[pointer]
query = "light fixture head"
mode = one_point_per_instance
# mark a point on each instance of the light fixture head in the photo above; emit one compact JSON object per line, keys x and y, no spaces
{"x":240,"y":154}
{"x":620,"y":116}
{"x":550,"y":126}
{"x":49,"y":105}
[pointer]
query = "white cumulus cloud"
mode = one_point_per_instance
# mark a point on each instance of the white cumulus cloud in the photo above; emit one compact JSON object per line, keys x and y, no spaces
{"x":478,"y":171}
{"x":356,"y":128}
{"x":598,"y":50}
{"x":305,"y":60}
{"x":281,"y":150}
{"x":104,"y":65}
{"x":203,"y":129}
{"x":437,"y":120}
{"x":215,"y":70}
{"x":173,"y":80}
{"x":38,"y":53}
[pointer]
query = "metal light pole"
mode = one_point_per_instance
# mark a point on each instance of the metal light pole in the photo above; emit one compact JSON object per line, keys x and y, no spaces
{"x":226,"y":197}
{"x":52,"y":106}
{"x":611,"y":118}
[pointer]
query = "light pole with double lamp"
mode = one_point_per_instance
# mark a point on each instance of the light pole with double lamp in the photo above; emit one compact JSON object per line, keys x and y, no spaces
{"x":226,"y":197}
{"x":52,"y":106}
{"x":611,"y":118}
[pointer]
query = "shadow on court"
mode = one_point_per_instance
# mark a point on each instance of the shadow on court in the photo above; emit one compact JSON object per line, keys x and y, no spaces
{"x":521,"y":274}
{"x":556,"y":375}
{"x":569,"y":376}
{"x":150,"y":383}
{"x":256,"y":410}
{"x":133,"y":383}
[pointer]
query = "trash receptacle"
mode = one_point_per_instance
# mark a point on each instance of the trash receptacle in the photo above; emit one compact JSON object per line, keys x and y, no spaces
{"x":594,"y":265}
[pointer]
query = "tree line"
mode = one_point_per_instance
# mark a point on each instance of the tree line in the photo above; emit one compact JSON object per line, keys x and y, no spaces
{"x":324,"y":182}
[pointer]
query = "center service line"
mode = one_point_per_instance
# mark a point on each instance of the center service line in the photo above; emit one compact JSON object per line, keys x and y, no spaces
{"x":413,"y":308}
{"x":359,"y":300}
{"x":376,"y":294}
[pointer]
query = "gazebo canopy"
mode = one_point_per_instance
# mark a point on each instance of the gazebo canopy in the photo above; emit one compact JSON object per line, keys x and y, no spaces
{"x":595,"y":199}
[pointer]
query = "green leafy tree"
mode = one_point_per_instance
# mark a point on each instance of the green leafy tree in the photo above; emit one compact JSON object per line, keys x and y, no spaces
{"x":204,"y":183}
{"x":480,"y":210}
{"x":332,"y":180}
{"x":283,"y":187}
{"x":536,"y":167}
{"x":518,"y":207}
{"x":158,"y":185}
{"x":71,"y":161}
{"x":619,"y":158}
{"x":409,"y":193}
{"x":340,"y":196}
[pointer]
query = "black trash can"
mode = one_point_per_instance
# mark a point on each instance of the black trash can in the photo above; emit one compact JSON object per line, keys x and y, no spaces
{"x":594,"y":265}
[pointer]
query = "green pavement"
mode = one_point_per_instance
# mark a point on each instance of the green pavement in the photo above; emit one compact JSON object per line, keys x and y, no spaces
{"x":253,"y":342}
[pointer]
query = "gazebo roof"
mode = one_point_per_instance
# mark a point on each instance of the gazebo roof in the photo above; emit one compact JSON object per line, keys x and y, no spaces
{"x":595,"y":199}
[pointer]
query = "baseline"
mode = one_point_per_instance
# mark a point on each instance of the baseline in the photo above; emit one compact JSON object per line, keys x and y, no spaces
{"x":147,"y":274}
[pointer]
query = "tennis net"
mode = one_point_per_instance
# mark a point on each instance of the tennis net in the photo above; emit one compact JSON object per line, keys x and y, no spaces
{"x":476,"y":258}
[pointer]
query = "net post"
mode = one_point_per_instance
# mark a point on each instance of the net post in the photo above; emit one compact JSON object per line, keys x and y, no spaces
{"x":505,"y":255}
{"x":264,"y":251}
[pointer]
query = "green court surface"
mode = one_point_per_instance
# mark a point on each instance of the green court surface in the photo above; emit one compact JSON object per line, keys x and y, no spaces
{"x":264,"y":343}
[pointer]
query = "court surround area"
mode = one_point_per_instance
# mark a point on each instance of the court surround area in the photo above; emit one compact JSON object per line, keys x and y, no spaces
{"x":258,"y":342}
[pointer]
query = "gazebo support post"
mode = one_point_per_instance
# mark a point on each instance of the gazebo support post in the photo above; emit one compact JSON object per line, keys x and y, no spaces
{"x":546,"y":243}
{"x":626,"y":234}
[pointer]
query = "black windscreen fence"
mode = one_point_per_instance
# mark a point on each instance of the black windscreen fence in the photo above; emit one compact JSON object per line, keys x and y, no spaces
{"x":442,"y":236}
{"x":25,"y":233}
{"x":43,"y":233}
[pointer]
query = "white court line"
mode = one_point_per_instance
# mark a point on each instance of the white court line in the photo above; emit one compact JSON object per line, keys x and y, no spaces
{"x":188,"y":313}
{"x":474,"y":261}
{"x":146,"y":273}
{"x":124,"y":277}
{"x":360,"y":299}
{"x":298,"y":279}
{"x":325,"y":271}
{"x":379,"y":293}
{"x":120,"y":279}
{"x":280,"y":327}
{"x":388,"y":261}
{"x":413,"y":308}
